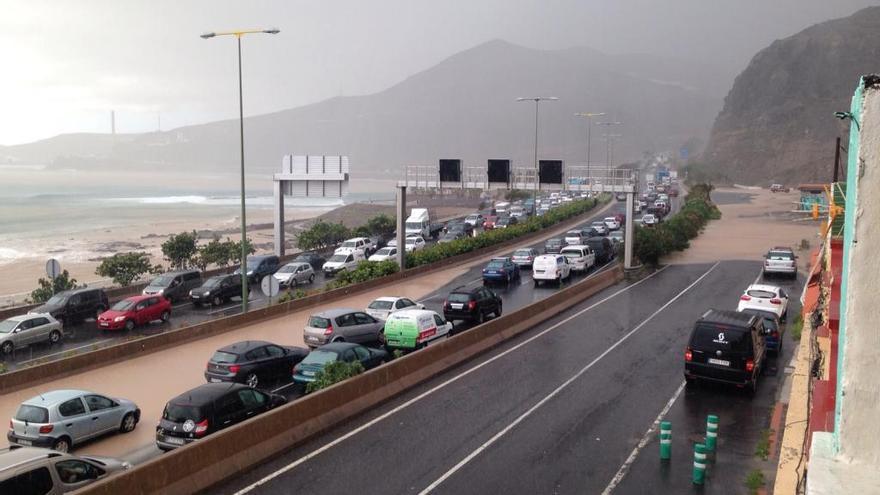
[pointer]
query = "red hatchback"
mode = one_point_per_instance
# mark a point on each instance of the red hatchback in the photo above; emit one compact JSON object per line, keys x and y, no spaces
{"x":133,"y":311}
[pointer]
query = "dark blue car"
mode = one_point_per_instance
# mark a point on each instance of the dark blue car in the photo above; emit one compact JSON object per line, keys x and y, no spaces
{"x":772,"y":332}
{"x":500,"y":270}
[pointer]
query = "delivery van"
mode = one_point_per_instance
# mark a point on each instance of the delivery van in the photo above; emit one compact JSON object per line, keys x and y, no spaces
{"x":414,"y":328}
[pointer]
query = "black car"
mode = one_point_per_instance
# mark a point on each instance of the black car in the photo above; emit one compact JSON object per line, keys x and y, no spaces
{"x":217,"y":290}
{"x":348,"y":352}
{"x":253,"y":362}
{"x":260,"y":266}
{"x":504,"y":222}
{"x":451,"y":236}
{"x":554,"y":246}
{"x":208,"y":408}
{"x":726,"y":346}
{"x":466,"y":229}
{"x":314,"y":259}
{"x":471,"y":304}
{"x":75,"y":305}
{"x":590,"y":232}
{"x":602,"y":247}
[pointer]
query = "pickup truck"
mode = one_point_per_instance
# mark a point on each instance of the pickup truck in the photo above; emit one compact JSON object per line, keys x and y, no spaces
{"x":362,"y":245}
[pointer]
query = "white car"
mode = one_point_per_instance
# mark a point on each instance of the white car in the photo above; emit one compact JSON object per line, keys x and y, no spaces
{"x":361,"y":245}
{"x":549,"y":267}
{"x":384,"y":254}
{"x":611,"y":223}
{"x":474,"y":219}
{"x":600,"y":227}
{"x":581,"y":258}
{"x":649,"y":219}
{"x":341,"y":262}
{"x":382,"y":307}
{"x":765,"y":298}
{"x":414,"y":243}
{"x":574,"y":237}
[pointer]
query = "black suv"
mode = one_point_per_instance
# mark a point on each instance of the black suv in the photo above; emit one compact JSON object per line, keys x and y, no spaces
{"x":75,"y":305}
{"x":471,"y":304}
{"x":260,"y":266}
{"x":316,"y":260}
{"x":726,"y":346}
{"x":602,"y":247}
{"x":208,"y":408}
{"x":217,"y":290}
{"x":253,"y":362}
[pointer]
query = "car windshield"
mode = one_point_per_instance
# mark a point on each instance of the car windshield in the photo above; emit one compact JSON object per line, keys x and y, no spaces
{"x":411,"y":240}
{"x":180,"y":413}
{"x":554,"y":242}
{"x":522,"y":252}
{"x":573,"y":233}
{"x":6,"y":326}
{"x":213,"y":282}
{"x":224,"y":357}
{"x":708,"y":337}
{"x":319,"y":322}
{"x":414,"y":225}
{"x":780,"y":255}
{"x":761,"y":294}
{"x":32,"y":414}
{"x":305,"y":258}
{"x":458,"y":297}
{"x":495,"y":264}
{"x":162,"y":280}
{"x":56,"y":300}
{"x":384,"y":251}
{"x":123,"y":305}
{"x":338,"y":258}
{"x":350,"y":244}
{"x":598,"y":224}
{"x":319,"y":356}
{"x":571,"y":253}
{"x":287,"y":269}
{"x":378,"y":304}
{"x":252,"y":265}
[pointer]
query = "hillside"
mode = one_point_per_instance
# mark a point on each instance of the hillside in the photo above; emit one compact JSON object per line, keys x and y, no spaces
{"x":463,"y":107}
{"x":778,"y":124}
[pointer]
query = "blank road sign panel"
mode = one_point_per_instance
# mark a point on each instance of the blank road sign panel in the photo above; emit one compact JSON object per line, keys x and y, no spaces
{"x":450,"y":170}
{"x":550,"y":171}
{"x":499,"y":171}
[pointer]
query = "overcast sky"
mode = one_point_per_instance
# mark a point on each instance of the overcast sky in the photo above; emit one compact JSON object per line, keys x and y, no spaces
{"x":67,"y":64}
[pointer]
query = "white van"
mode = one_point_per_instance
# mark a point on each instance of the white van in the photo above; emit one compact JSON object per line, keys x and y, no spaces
{"x":414,"y":328}
{"x":501,"y":208}
{"x":550,"y":267}
{"x":581,"y":258}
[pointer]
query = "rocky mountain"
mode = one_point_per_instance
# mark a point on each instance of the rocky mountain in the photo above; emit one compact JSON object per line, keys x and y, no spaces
{"x":464,"y":107}
{"x":778,"y":123}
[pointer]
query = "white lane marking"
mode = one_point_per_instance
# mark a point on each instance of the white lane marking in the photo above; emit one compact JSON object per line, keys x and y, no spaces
{"x":283,"y":387}
{"x":181,"y":305}
{"x":226,"y":308}
{"x":758,"y":278}
{"x":65,"y":351}
{"x":643,"y":442}
{"x":337,"y":441}
{"x":558,"y":389}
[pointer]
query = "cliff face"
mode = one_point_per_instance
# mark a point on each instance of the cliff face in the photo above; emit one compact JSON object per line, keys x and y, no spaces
{"x":778,"y":123}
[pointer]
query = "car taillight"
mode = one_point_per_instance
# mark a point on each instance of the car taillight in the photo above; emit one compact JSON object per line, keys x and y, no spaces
{"x":775,"y":301}
{"x":745,"y":297}
{"x":46,"y":429}
{"x":446,"y":303}
{"x":688,"y":355}
{"x":328,"y":330}
{"x":472,"y":305}
{"x":750,"y":365}
{"x":234,"y":369}
{"x":775,"y":334}
{"x":503,"y":270}
{"x":201,"y":428}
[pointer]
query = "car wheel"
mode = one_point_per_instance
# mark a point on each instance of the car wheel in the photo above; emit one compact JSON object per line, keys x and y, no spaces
{"x":338,"y":339}
{"x":498,"y":311}
{"x":480,"y":317}
{"x":312,"y":278}
{"x":752,"y":387}
{"x":54,"y":337}
{"x":217,"y":301}
{"x":165,"y":316}
{"x":252,"y":380}
{"x":128,"y":423}
{"x":129,"y":325}
{"x":536,"y":282}
{"x":61,"y":445}
{"x":784,"y":316}
{"x":7,"y":348}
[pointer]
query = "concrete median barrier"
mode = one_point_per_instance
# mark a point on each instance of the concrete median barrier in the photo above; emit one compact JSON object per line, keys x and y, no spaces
{"x":209,"y":461}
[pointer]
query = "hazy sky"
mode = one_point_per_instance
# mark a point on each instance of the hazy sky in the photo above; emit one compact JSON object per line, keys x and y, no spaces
{"x":67,"y":63}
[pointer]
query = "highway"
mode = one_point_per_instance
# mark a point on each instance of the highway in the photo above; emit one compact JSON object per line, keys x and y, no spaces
{"x":559,"y":409}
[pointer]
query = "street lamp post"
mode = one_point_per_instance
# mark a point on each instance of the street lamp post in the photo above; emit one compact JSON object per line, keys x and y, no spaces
{"x":238,"y":35}
{"x":607,"y":147}
{"x":536,"y":99}
{"x":589,"y":116}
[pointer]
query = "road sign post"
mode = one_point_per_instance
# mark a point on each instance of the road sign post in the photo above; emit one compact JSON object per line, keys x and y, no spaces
{"x":270,"y":287}
{"x":699,"y":474}
{"x":53,"y":269}
{"x":711,"y":432}
{"x":665,"y":440}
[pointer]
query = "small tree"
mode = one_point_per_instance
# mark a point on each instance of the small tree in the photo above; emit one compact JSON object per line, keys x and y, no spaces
{"x":180,"y":249}
{"x":334,"y":372}
{"x":321,"y":235}
{"x":381,"y":225}
{"x":125,"y":268}
{"x":214,"y":253}
{"x":48,"y":287}
{"x":234,"y":250}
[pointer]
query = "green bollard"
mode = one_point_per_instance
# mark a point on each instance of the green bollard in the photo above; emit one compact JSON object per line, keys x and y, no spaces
{"x":699,"y":475}
{"x":665,"y":440}
{"x":711,"y":432}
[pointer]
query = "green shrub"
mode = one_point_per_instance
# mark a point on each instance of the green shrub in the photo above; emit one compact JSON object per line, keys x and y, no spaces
{"x":366,"y":270}
{"x":334,"y":372}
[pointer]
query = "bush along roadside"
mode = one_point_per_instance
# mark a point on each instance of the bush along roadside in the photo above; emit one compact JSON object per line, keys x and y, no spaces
{"x":675,"y":233}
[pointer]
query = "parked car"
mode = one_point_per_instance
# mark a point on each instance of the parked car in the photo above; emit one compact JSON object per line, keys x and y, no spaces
{"x":475,"y":219}
{"x":780,"y":261}
{"x":501,"y":270}
{"x":174,"y":286}
{"x":383,"y":307}
{"x":602,"y":247}
{"x":413,"y":244}
{"x":649,"y":220}
{"x":524,"y":257}
{"x":260,"y":266}
{"x":340,"y":262}
{"x":611,"y":223}
{"x":772,"y":330}
{"x":504,"y":222}
{"x":294,"y":273}
{"x":73,"y":306}
{"x":25,"y":330}
{"x":208,"y":408}
{"x":341,"y":325}
{"x":217,"y":290}
{"x":384,"y":254}
{"x":553,"y":246}
{"x":133,"y":311}
{"x":574,"y":237}
{"x":362,"y":245}
{"x":414,"y":328}
{"x":61,"y":419}
{"x":253,"y":362}
{"x":726,"y":346}
{"x":766,"y":298}
{"x":581,"y":258}
{"x":305,"y":371}
{"x":32,"y":470}
{"x":600,"y":227}
{"x":550,"y":267}
{"x":468,"y":304}
{"x":314,"y":259}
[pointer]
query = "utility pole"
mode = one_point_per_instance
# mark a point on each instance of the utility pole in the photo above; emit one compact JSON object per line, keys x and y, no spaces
{"x":536,"y":99}
{"x":589,"y":116}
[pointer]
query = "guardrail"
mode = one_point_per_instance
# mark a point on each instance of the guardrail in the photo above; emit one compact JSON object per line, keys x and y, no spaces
{"x":131,"y":349}
{"x":222,"y":455}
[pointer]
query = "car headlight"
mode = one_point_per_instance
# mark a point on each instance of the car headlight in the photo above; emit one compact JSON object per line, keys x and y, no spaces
{"x":190,"y":293}
{"x":208,"y":293}
{"x":160,"y":291}
{"x":119,"y":318}
{"x":250,"y":272}
{"x":126,"y":465}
